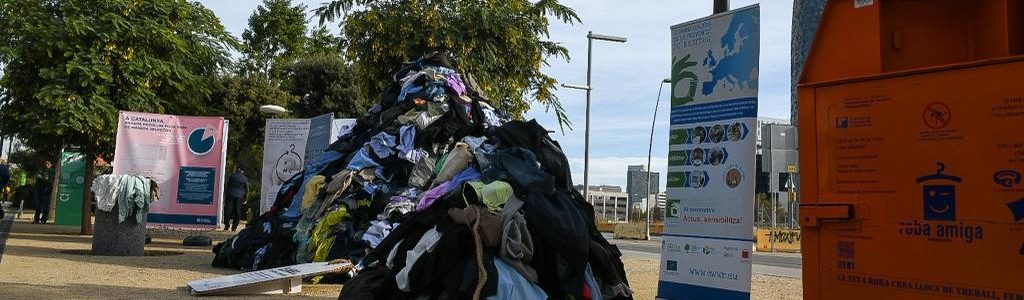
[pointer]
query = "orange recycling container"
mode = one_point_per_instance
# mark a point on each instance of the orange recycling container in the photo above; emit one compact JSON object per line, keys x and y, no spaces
{"x":911,"y":122}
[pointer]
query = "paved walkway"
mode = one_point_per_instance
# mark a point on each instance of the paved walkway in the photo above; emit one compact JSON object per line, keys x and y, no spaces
{"x":5,"y":231}
{"x":37,"y":265}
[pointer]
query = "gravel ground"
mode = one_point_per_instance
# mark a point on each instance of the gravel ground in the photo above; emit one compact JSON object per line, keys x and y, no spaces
{"x":34,"y":266}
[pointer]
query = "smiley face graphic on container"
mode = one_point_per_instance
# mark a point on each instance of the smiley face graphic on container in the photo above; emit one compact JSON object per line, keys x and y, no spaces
{"x":939,"y":195}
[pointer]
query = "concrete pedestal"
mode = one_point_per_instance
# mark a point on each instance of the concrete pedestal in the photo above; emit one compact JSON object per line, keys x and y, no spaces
{"x":113,"y":238}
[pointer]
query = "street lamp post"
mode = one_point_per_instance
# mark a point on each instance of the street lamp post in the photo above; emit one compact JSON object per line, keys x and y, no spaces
{"x":650,"y":146}
{"x":721,"y":6}
{"x":271,"y":109}
{"x":586,"y":143}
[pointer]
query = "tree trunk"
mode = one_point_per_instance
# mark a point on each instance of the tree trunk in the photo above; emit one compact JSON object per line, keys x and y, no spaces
{"x":90,"y":170}
{"x":54,"y":185}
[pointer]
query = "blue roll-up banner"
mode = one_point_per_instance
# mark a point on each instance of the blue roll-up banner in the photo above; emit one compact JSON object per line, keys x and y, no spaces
{"x":708,"y":227}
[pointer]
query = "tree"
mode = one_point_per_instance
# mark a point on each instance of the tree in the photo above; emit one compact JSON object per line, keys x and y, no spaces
{"x":323,"y":83}
{"x":280,"y":65}
{"x":238,"y":99}
{"x":322,"y":42}
{"x":275,"y":38}
{"x":32,"y":162}
{"x":71,"y":65}
{"x":501,"y":43}
{"x":657,"y":214}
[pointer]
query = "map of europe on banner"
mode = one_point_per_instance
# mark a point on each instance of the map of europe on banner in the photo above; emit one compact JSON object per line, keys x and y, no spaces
{"x":708,"y":231}
{"x":185,"y":156}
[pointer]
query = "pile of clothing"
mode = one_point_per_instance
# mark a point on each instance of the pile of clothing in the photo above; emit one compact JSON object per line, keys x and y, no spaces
{"x":130,"y":193}
{"x":435,"y":195}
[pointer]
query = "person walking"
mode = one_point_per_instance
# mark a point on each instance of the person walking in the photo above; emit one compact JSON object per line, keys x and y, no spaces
{"x":233,"y":203}
{"x":5,"y":179}
{"x":43,"y":187}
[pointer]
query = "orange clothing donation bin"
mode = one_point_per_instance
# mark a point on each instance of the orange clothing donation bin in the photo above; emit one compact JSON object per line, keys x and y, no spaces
{"x":911,"y":121}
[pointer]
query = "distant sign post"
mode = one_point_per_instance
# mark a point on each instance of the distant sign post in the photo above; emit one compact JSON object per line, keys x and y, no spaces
{"x":708,"y":232}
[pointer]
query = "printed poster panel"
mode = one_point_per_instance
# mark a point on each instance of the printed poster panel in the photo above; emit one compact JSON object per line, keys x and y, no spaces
{"x":711,"y":268}
{"x":320,"y":135}
{"x":185,"y":155}
{"x":70,"y":187}
{"x":286,"y":145}
{"x":342,"y":127}
{"x":711,"y":171}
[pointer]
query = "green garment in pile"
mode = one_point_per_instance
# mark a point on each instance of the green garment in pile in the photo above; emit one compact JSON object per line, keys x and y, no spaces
{"x":134,"y":199}
{"x":494,"y":195}
{"x":312,"y":189}
{"x":322,"y":239}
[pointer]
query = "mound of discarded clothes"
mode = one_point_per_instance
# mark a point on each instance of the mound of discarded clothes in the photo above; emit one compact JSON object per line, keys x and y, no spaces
{"x":435,"y":195}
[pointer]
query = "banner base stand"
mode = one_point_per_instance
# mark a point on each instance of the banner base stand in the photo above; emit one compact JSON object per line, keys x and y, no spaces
{"x":276,"y":287}
{"x":281,"y":280}
{"x":197,"y":240}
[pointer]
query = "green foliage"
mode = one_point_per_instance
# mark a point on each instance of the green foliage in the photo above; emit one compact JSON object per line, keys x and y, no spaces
{"x":71,"y":65}
{"x":275,"y":38}
{"x":16,"y":175}
{"x":283,"y":66}
{"x":501,"y":43}
{"x":32,"y":162}
{"x":657,"y":214}
{"x":323,"y":83}
{"x":322,"y":42}
{"x":238,"y":99}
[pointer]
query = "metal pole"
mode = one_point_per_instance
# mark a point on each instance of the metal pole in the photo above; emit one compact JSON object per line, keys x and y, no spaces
{"x":721,"y":6}
{"x":604,"y":209}
{"x":586,"y":142}
{"x":775,"y":206}
{"x":615,"y":210}
{"x":791,"y":201}
{"x":789,"y":206}
{"x":650,"y":146}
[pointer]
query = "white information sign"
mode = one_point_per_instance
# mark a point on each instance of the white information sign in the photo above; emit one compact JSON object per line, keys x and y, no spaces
{"x":286,"y":146}
{"x":277,"y":280}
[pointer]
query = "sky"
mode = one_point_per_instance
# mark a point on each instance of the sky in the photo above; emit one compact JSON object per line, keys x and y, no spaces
{"x":625,"y":76}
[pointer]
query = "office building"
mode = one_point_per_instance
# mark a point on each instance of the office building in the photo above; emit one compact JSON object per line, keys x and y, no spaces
{"x":609,"y":202}
{"x":636,"y":183}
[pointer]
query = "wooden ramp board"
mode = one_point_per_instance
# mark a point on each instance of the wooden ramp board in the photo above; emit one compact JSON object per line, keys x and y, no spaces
{"x":283,"y":280}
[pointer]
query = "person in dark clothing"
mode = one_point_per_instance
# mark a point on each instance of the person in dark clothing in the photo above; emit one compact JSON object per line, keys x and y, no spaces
{"x":43,"y":187}
{"x":5,"y":179}
{"x":236,"y":191}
